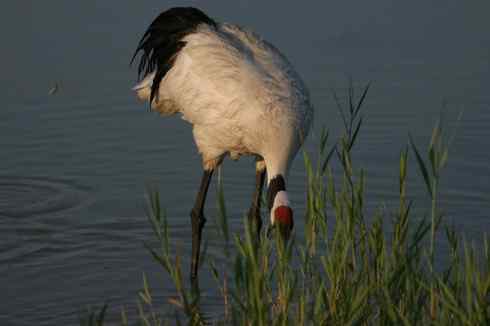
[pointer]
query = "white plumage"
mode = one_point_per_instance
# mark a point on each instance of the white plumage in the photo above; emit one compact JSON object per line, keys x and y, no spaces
{"x":241,"y":95}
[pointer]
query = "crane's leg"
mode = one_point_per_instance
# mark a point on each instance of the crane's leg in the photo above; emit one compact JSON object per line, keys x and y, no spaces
{"x":198,"y":221}
{"x":254,"y":219}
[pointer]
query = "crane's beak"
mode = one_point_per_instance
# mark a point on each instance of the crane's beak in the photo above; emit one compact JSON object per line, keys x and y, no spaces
{"x":285,"y":231}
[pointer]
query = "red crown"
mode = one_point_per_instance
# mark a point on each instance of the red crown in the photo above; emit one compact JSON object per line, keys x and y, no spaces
{"x":284,"y":215}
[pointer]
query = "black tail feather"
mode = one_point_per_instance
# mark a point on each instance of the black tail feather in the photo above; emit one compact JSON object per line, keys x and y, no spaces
{"x":162,"y":42}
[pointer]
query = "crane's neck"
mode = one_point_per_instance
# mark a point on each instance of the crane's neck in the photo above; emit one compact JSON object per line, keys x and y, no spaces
{"x":277,"y":197}
{"x":277,"y":161}
{"x":276,"y":185}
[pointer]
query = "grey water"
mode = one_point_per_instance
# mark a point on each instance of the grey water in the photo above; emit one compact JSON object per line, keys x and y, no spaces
{"x":74,"y":165}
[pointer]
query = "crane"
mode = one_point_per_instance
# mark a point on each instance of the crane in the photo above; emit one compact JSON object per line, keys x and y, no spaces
{"x":241,"y":96}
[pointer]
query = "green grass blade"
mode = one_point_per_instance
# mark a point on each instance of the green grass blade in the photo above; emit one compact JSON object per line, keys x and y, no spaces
{"x":422,"y":167}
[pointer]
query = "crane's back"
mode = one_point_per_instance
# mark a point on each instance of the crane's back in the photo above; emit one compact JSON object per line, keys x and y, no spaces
{"x":240,"y":93}
{"x":186,"y":52}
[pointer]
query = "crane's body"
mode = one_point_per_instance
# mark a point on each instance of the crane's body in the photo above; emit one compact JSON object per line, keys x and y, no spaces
{"x":241,"y":95}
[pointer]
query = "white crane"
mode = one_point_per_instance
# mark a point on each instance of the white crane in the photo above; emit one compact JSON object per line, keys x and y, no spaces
{"x":241,"y":96}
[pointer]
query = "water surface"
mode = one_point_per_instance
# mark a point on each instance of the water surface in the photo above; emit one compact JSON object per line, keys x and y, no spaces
{"x":74,"y":165}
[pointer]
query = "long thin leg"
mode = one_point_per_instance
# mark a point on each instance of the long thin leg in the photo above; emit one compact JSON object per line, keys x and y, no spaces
{"x":198,"y":221}
{"x":254,"y":219}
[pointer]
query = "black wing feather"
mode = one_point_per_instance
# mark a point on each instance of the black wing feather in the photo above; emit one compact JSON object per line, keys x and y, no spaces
{"x":162,"y":42}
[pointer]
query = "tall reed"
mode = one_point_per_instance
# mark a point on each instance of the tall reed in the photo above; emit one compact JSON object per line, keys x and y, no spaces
{"x":345,"y":269}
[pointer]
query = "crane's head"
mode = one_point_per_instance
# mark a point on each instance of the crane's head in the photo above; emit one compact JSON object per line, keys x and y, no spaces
{"x":281,"y":212}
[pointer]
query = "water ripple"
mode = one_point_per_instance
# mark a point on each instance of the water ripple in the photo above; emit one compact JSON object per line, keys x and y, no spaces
{"x":22,"y":197}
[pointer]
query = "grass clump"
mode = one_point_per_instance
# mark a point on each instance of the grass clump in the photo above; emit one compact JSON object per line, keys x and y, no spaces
{"x":349,"y":267}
